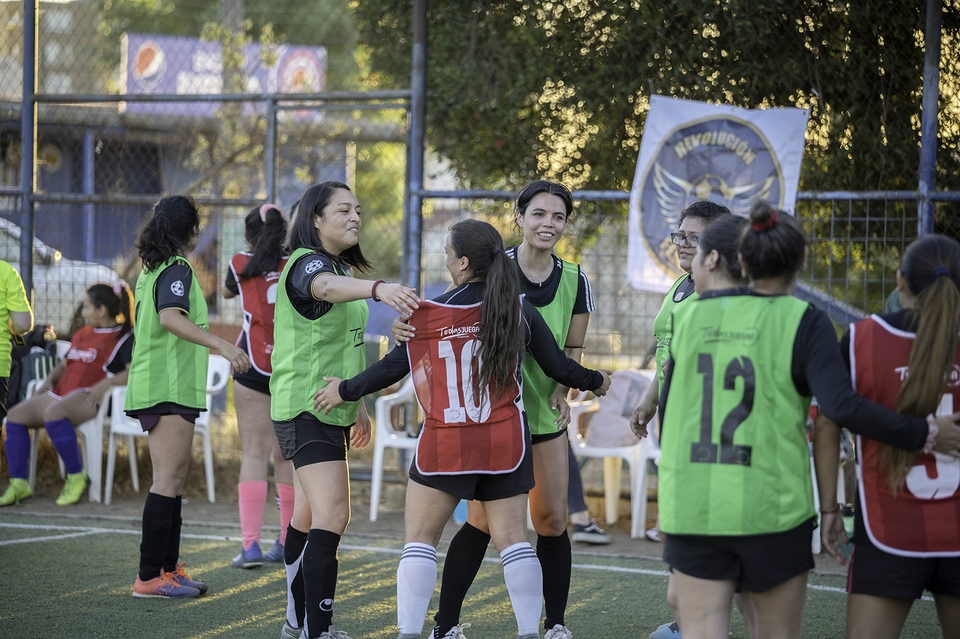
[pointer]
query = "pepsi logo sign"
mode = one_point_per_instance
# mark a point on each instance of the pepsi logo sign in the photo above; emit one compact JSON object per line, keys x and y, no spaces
{"x":149,"y":64}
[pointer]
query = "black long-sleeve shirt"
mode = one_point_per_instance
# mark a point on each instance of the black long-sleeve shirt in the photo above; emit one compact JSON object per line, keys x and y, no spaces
{"x":537,"y":337}
{"x":818,"y":369}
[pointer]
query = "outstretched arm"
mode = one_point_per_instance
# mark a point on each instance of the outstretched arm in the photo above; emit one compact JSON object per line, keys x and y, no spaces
{"x":554,"y":362}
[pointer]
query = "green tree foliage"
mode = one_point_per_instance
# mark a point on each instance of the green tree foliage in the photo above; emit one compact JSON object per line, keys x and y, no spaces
{"x":519,"y":89}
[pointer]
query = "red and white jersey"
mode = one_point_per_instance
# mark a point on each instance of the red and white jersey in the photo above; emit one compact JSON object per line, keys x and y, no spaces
{"x":461,"y":433}
{"x":258,"y":297}
{"x":923,"y":518}
{"x":91,"y":351}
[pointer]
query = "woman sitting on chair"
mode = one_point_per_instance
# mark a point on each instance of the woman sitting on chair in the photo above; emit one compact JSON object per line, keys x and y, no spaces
{"x":98,"y":359}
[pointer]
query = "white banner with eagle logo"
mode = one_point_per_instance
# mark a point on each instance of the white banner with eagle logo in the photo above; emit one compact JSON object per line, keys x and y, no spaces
{"x":697,"y":151}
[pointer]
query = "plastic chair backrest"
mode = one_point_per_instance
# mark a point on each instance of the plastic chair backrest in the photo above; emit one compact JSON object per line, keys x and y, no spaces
{"x":120,"y":423}
{"x":610,"y":427}
{"x":218,"y":374}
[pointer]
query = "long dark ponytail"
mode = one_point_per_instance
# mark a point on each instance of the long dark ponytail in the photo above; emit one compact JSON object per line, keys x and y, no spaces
{"x":168,"y":230}
{"x":931,"y":268}
{"x":501,"y":340}
{"x":266,"y":232}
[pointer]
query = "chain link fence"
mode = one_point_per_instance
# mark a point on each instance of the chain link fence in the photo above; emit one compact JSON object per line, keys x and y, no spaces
{"x":106,"y":150}
{"x":855,"y":249}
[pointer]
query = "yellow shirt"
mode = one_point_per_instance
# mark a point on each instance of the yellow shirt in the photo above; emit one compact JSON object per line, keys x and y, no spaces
{"x":12,"y":298}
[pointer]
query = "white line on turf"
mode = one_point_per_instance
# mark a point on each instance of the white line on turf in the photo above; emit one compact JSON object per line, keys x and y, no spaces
{"x":80,"y":531}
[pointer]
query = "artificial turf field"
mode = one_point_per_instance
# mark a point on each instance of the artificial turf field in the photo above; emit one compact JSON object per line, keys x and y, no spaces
{"x":72,"y":578}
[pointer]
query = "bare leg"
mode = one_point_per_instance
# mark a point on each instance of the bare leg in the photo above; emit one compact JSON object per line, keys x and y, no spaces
{"x":704,"y":606}
{"x":948,"y":609}
{"x":257,"y":436}
{"x":778,"y":612}
{"x":170,"y":442}
{"x":870,"y":617}
{"x":548,"y":498}
{"x":744,"y":601}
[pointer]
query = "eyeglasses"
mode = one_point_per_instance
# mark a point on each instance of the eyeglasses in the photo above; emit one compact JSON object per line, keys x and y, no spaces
{"x":680,"y":238}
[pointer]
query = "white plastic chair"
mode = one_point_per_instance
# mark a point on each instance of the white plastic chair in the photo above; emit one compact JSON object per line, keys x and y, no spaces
{"x":218,"y":374}
{"x":121,"y":426}
{"x":616,"y":408}
{"x":386,"y":436}
{"x":63,"y":347}
{"x":92,"y":438}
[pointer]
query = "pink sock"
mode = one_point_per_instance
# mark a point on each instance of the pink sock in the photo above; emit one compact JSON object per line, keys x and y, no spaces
{"x":285,"y":492}
{"x":252,"y":497}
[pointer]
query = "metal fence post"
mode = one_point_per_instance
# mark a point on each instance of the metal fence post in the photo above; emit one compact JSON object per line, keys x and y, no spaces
{"x":928,"y":114}
{"x":418,"y":110}
{"x":28,"y":141}
{"x":270,"y":178}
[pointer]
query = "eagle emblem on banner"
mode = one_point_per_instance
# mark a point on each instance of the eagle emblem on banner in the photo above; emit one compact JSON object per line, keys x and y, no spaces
{"x":692,"y":151}
{"x":721,"y":159}
{"x":674,"y":193}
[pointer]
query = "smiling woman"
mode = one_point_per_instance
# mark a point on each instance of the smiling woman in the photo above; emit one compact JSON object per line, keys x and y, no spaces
{"x":320,"y":318}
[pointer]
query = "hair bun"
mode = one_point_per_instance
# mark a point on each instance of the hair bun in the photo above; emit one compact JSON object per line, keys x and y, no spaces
{"x":762,"y":225}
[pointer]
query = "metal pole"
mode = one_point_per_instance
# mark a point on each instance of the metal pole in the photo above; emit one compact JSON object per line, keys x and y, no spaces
{"x":88,"y":160}
{"x":928,"y":114}
{"x":271,"y":152}
{"x":418,"y":111}
{"x":28,"y":141}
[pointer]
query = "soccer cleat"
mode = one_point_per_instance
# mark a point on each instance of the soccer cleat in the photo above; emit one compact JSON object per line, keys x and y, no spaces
{"x":165,"y":586}
{"x":249,"y":558}
{"x":289,"y":632}
{"x":184,"y":579}
{"x":73,"y":489}
{"x":275,"y":554}
{"x":666,"y":631}
{"x":558,"y":632}
{"x":454,"y":633}
{"x":332,"y":633}
{"x":591,"y":533}
{"x":17,"y":491}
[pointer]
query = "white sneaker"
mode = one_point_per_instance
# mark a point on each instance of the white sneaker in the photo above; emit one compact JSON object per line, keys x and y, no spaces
{"x":289,"y":632}
{"x":666,"y":631}
{"x":331,"y":633}
{"x":456,"y":632}
{"x":558,"y":632}
{"x":653,"y":535}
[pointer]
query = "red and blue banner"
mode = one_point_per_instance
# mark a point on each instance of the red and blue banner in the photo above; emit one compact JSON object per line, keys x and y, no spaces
{"x":158,"y":64}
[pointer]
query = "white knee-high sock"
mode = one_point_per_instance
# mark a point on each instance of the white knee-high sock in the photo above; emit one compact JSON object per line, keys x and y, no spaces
{"x":416,"y":581}
{"x":521,"y":572}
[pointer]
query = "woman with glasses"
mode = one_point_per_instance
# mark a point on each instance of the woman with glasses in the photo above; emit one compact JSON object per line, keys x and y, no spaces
{"x":693,"y":221}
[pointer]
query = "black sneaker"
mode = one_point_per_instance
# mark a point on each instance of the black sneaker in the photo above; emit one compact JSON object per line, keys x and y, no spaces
{"x":592,"y":533}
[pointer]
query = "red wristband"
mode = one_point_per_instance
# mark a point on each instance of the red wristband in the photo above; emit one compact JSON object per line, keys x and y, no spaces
{"x":830,"y":511}
{"x":373,"y":291}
